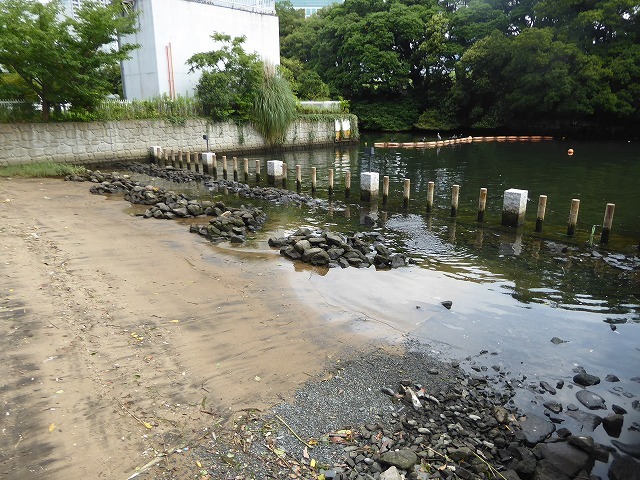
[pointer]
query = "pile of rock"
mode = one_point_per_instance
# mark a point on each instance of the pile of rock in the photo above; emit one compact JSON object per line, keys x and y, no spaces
{"x":325,"y":248}
{"x":230,"y":224}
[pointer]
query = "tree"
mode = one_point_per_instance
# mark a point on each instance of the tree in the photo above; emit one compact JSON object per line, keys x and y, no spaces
{"x":229,"y":81}
{"x":63,"y":60}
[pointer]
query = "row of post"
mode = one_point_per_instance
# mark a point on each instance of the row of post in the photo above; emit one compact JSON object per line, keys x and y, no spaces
{"x":514,"y":200}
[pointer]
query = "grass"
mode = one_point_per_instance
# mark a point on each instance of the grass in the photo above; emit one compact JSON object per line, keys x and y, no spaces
{"x":40,"y":170}
{"x":274,"y":108}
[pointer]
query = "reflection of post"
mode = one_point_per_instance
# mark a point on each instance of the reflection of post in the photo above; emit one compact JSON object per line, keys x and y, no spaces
{"x":573,"y":216}
{"x":284,"y":175}
{"x":313,"y":179}
{"x":452,"y":230}
{"x":455,"y":191}
{"x":535,"y":248}
{"x":347,"y":184}
{"x":482,"y":204}
{"x":429,"y":223}
{"x":331,"y":182}
{"x":517,"y":245}
{"x":347,"y":212}
{"x":385,"y":189}
{"x":369,"y":214}
{"x":430,"y":189}
{"x":406,"y":193}
{"x":542,"y":207}
{"x":607,"y":223}
{"x":479,"y":237}
{"x":298,"y":178}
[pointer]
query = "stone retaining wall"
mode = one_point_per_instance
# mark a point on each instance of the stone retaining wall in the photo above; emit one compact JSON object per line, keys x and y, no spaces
{"x":130,"y":140}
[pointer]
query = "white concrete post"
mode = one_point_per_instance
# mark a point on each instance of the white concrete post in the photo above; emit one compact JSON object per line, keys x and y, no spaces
{"x":155,"y":152}
{"x":514,"y":207}
{"x":274,"y":171}
{"x":369,"y":186}
{"x":208,"y":162}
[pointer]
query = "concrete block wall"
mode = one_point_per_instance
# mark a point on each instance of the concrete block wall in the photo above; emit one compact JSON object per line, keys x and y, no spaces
{"x":130,"y":140}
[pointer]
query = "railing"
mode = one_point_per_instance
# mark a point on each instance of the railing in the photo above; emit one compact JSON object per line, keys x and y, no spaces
{"x":259,"y":6}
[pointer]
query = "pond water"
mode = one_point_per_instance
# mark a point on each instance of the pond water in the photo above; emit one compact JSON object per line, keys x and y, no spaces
{"x":512,"y":289}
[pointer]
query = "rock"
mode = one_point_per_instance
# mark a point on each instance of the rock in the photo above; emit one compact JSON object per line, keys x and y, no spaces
{"x":557,"y":341}
{"x":618,"y":409}
{"x":584,"y":443}
{"x":562,"y":459}
{"x":548,"y":388}
{"x":536,"y":429}
{"x":611,"y":378}
{"x":585,"y":379}
{"x":624,"y":468}
{"x":391,"y":474}
{"x":636,"y":405}
{"x":629,"y":449}
{"x":460,"y":454}
{"x":447,"y":304}
{"x":315,"y":256}
{"x":554,"y":406}
{"x":404,"y":459}
{"x":613,"y":424}
{"x":589,"y":421}
{"x":572,"y":407}
{"x":591,"y":400}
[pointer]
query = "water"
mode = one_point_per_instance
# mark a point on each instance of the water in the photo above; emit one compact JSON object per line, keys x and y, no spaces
{"x":512,"y":289}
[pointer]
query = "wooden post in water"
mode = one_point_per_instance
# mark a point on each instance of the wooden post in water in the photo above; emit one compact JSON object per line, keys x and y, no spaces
{"x":573,"y":216}
{"x":406,"y":193}
{"x":257,"y":172}
{"x":214,"y":166}
{"x":224,"y":167}
{"x":385,"y":189}
{"x":165,"y":157}
{"x":347,"y":184}
{"x":246,"y":170}
{"x":455,"y":192}
{"x":198,"y":162}
{"x":542,"y":208}
{"x":606,"y":224}
{"x":430,"y":188}
{"x":235,"y":169}
{"x":298,"y":178}
{"x":188,"y":159}
{"x":284,"y":175}
{"x":482,"y":204}
{"x":313,"y":179}
{"x":331,"y":182}
{"x":173,"y":158}
{"x":180,"y":164}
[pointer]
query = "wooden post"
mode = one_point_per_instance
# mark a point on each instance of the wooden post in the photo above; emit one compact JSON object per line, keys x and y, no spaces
{"x":573,"y":216}
{"x":188,"y":155}
{"x":482,"y":204}
{"x":257,"y":172}
{"x":407,"y":191}
{"x":284,"y":175}
{"x":173,"y":158}
{"x":214,"y":167}
{"x":542,"y":207}
{"x":385,"y":189}
{"x":455,"y":191}
{"x":180,"y":164}
{"x":298,"y":178}
{"x":246,"y":170}
{"x":235,"y":169}
{"x":224,"y":167}
{"x":331,"y":182}
{"x":165,"y":157}
{"x":347,"y":184}
{"x":313,"y":179}
{"x":430,"y":189}
{"x":608,"y":221}
{"x":196,"y":165}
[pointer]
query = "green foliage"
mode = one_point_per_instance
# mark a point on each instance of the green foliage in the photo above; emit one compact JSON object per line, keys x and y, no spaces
{"x":230,"y":77}
{"x":305,"y":83}
{"x":274,"y":108}
{"x":386,"y":115}
{"x":65,"y":60}
{"x":40,"y":170}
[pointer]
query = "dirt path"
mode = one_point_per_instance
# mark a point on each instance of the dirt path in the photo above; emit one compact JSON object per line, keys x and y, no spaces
{"x":117,"y":333}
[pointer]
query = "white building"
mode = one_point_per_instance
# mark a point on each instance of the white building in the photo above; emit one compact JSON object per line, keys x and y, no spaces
{"x":171,"y":31}
{"x":70,"y":6}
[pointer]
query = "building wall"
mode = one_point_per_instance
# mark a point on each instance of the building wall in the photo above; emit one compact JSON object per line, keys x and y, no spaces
{"x":131,"y":140}
{"x":187,"y":27}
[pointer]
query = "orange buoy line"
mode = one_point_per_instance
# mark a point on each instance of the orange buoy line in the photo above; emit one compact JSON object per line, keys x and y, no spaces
{"x":457,"y":141}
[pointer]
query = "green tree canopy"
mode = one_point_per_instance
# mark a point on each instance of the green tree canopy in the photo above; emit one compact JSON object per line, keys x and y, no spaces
{"x":63,"y":60}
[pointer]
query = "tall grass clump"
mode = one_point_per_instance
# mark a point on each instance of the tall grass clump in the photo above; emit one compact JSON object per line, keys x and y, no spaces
{"x":274,"y":108}
{"x":40,"y":170}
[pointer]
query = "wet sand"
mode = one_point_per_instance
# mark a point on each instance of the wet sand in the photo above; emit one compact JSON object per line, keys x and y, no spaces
{"x":123,"y":337}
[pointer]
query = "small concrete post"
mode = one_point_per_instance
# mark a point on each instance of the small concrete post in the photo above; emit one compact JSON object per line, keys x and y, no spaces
{"x":347,"y":184}
{"x":430,"y":189}
{"x":542,"y":208}
{"x":257,"y":172}
{"x":313,"y":179}
{"x":154,"y":153}
{"x":235,"y":169}
{"x":514,"y":206}
{"x":274,"y":172}
{"x":284,"y":175}
{"x":208,"y":161}
{"x":406,"y":193}
{"x":246,"y":170}
{"x":455,"y":192}
{"x":188,"y":155}
{"x":298,"y":178}
{"x":369,"y":186}
{"x":573,"y":216}
{"x":607,"y":223}
{"x":385,"y":189}
{"x":482,"y":204}
{"x":224,"y":167}
{"x":331,"y":182}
